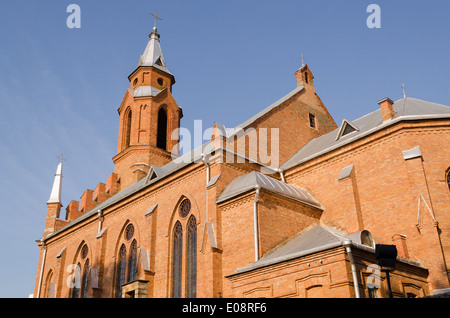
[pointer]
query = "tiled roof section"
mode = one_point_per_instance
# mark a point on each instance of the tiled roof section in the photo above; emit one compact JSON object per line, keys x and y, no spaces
{"x":248,"y":182}
{"x":405,"y":109}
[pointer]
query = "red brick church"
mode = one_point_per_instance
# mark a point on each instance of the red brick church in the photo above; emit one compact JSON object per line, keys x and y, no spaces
{"x":297,"y":216}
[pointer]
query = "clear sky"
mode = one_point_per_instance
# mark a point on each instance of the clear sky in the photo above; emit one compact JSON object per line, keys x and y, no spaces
{"x":60,"y":88}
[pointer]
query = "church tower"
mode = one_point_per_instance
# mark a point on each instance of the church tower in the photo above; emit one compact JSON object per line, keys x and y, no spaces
{"x":149,"y":117}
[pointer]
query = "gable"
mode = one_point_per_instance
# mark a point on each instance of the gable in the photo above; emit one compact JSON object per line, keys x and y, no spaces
{"x":346,"y":128}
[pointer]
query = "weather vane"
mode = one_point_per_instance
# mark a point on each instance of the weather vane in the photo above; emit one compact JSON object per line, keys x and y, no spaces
{"x":155,"y":15}
{"x":404,"y":91}
{"x":303,"y":63}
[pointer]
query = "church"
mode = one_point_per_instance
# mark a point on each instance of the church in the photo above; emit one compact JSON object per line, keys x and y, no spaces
{"x":287,"y":204}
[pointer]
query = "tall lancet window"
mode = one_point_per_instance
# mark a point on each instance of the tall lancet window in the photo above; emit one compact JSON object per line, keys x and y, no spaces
{"x":448,"y":178}
{"x":84,"y":279}
{"x":121,"y":267}
{"x":177,"y":260}
{"x":76,"y":285}
{"x":127,"y":130}
{"x":132,"y":262}
{"x":161,"y":141}
{"x":191,"y":258}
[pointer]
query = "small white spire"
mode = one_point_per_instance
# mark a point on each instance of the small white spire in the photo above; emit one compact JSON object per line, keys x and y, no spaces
{"x":55,"y":195}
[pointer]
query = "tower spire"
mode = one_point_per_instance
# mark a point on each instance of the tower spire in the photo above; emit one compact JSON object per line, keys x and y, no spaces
{"x":153,"y":54}
{"x":55,"y":195}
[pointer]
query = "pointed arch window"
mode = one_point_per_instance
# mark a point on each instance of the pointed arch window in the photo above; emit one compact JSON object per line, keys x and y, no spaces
{"x":448,"y":178}
{"x":121,"y":267}
{"x":177,"y":260}
{"x":76,"y":286}
{"x":50,"y":292}
{"x":127,"y":129}
{"x":191,"y":258}
{"x":85,"y":279}
{"x":132,"y":262}
{"x":161,"y":141}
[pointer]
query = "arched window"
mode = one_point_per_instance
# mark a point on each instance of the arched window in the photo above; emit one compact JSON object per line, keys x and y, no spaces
{"x":76,"y":286}
{"x":84,"y":280}
{"x":132,"y":262}
{"x":161,"y":141}
{"x":448,"y":178}
{"x":127,"y":129}
{"x":121,"y":267}
{"x":50,"y":287}
{"x":177,"y":260}
{"x":192,"y":257}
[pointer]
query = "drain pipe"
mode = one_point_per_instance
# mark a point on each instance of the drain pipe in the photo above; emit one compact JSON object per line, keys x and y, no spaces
{"x":282,"y":174}
{"x":205,"y":161}
{"x":347,"y":245}
{"x":100,"y":220}
{"x":255,"y":221}
{"x":38,"y":294}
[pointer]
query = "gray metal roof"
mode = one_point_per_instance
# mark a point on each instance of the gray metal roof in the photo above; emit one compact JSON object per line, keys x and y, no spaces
{"x":311,"y":240}
{"x":153,"y":54}
{"x":314,"y":239}
{"x":145,"y":91}
{"x":249,"y":181}
{"x":405,"y":109}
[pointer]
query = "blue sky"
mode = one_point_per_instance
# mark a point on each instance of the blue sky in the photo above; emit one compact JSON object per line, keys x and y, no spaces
{"x":60,"y":88}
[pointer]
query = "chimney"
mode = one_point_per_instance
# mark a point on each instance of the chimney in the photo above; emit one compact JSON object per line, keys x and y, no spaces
{"x":399,"y":241}
{"x":387,"y":109}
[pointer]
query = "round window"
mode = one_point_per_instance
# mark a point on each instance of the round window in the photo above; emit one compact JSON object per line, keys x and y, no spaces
{"x":160,"y":81}
{"x":185,"y":208}
{"x":135,"y":82}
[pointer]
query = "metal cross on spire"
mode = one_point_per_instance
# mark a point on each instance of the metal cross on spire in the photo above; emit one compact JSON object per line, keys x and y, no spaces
{"x":404,"y":91}
{"x":303,"y":63}
{"x":155,"y":15}
{"x":61,"y":158}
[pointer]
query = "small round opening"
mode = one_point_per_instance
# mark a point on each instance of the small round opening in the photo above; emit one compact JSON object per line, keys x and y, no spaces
{"x":160,"y":81}
{"x":135,"y":82}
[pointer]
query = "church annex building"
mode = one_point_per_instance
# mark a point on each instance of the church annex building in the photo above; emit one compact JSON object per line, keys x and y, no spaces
{"x":223,"y":221}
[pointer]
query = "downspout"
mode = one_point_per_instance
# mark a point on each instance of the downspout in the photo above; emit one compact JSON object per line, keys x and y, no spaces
{"x":204,"y":159}
{"x":100,"y":219}
{"x":282,"y":174}
{"x":255,"y":221}
{"x":347,"y":245}
{"x":42,"y":268}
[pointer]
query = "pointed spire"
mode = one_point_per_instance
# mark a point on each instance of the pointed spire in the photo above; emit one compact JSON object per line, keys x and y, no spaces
{"x":153,"y":54}
{"x":55,"y":195}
